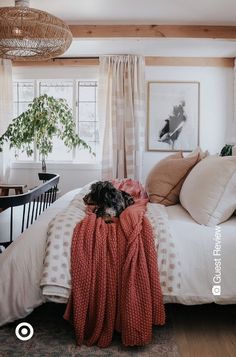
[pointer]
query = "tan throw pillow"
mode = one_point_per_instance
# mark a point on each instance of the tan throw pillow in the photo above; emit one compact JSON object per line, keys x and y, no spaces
{"x":209,"y":191}
{"x":164,"y":182}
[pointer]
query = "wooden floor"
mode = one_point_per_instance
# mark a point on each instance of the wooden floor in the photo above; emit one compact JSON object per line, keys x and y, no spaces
{"x":205,"y":330}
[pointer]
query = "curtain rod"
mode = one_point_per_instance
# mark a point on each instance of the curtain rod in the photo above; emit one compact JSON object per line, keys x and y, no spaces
{"x":71,"y":58}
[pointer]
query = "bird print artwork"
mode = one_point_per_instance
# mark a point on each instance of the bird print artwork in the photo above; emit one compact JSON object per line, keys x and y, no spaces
{"x":173,"y":125}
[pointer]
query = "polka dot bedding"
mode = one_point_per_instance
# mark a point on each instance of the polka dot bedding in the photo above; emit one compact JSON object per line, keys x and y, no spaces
{"x":56,"y":275}
{"x":168,"y":261}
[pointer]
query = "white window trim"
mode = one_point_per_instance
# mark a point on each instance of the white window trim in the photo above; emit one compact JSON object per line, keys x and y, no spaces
{"x":62,"y":166}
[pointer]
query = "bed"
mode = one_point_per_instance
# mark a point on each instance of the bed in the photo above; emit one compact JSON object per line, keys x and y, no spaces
{"x":22,"y":264}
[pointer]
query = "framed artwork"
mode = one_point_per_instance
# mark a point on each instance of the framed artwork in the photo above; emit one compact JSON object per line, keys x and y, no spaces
{"x":173,"y":116}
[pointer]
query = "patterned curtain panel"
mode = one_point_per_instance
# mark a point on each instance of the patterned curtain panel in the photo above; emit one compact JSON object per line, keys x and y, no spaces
{"x":6,"y":113}
{"x":121,"y":103}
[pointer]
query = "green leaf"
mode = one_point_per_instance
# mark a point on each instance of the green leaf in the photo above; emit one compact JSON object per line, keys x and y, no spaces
{"x":45,"y":118}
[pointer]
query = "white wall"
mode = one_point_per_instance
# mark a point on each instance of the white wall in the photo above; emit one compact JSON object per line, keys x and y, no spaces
{"x":216,"y":105}
{"x":80,"y":72}
{"x":216,"y":116}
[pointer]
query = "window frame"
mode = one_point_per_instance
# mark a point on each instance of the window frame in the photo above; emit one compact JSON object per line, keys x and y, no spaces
{"x":76,"y":116}
{"x":34,"y":161}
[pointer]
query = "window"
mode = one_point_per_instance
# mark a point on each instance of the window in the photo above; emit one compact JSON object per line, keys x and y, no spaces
{"x":81,"y":97}
{"x":58,"y":89}
{"x":87,"y":116}
{"x":23,"y":95}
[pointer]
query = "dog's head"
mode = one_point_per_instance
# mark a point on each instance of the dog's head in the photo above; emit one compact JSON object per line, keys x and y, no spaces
{"x":102,"y":193}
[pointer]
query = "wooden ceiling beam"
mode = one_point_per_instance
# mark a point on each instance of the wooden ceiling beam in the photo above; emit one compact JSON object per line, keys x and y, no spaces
{"x":149,"y":61}
{"x":153,"y":31}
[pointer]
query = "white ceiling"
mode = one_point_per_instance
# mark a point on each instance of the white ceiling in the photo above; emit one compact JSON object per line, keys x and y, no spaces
{"x":221,"y":12}
{"x":198,"y":12}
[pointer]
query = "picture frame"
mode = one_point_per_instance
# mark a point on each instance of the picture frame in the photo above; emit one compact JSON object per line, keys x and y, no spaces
{"x":173,"y":116}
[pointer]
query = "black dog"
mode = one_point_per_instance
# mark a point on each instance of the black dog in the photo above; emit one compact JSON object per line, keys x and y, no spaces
{"x":109,"y":201}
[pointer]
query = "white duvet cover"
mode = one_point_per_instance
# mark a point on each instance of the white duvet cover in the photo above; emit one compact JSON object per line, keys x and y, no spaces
{"x":21,"y":265}
{"x":204,"y":253}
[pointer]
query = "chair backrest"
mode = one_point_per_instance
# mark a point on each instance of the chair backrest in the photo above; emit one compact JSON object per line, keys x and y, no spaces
{"x":33,"y":202}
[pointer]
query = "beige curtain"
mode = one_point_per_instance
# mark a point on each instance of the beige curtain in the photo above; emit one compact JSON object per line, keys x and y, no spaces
{"x":231,"y":133}
{"x":121,"y":114}
{"x":6,"y":105}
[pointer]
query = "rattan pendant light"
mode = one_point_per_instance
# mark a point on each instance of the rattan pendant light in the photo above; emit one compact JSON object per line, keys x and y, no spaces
{"x":31,"y":34}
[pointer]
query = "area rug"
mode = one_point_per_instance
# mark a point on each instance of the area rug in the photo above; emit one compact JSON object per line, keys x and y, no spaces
{"x":53,"y":337}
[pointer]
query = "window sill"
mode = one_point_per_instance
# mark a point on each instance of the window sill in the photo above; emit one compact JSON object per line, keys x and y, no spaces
{"x":55,"y":166}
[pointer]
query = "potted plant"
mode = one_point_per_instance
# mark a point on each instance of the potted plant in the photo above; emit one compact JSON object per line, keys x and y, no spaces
{"x":45,"y":118}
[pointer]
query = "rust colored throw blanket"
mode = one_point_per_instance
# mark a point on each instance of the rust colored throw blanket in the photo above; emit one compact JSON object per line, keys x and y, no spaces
{"x":115,"y":281}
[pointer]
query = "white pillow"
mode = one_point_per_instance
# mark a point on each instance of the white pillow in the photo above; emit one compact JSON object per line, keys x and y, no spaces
{"x":209,"y":191}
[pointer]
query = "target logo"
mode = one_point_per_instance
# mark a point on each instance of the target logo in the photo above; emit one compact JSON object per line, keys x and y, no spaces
{"x":24,"y":331}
